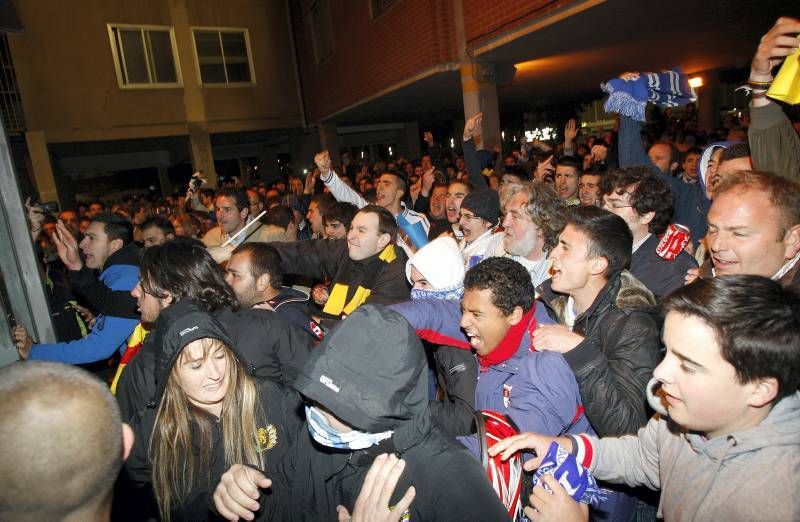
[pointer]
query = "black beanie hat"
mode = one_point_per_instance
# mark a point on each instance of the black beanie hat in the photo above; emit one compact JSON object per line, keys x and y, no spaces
{"x":483,"y":203}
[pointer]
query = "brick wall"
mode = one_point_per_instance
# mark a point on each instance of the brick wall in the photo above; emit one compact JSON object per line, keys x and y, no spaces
{"x":485,"y":20}
{"x":371,"y":55}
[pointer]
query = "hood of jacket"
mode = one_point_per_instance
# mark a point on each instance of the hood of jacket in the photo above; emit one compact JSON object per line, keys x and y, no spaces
{"x":622,"y":291}
{"x":178,"y":325}
{"x":130,"y":254}
{"x":371,"y":373}
{"x":781,"y":427}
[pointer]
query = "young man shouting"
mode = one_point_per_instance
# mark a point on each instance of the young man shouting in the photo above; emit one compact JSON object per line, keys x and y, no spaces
{"x":726,"y":444}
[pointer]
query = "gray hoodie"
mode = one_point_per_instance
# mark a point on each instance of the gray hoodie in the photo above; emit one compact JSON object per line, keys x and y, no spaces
{"x":748,"y":475}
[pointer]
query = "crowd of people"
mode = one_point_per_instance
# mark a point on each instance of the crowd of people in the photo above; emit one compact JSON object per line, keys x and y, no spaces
{"x":603,"y":328}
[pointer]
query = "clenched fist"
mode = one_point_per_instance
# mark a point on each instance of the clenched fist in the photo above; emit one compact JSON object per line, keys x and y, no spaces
{"x":323,"y":161}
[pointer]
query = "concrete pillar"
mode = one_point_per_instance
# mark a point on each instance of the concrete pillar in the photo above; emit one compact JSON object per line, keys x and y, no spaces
{"x":412,"y":149}
{"x":42,"y":169}
{"x":193,"y":101}
{"x":479,"y":92}
{"x":329,"y":140}
{"x":200,"y":148}
{"x":163,"y":181}
{"x":478,"y":85}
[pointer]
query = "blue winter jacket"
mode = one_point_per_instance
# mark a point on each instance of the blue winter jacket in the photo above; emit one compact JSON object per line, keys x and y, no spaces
{"x":537,"y":390}
{"x":109,"y":333}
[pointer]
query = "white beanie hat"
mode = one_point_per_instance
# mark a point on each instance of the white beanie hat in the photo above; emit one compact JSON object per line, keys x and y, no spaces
{"x":440,"y":262}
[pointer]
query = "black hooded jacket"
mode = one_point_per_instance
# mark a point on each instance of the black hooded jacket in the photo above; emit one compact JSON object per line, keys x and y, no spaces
{"x":277,"y":424}
{"x":371,"y":373}
{"x":271,"y":349}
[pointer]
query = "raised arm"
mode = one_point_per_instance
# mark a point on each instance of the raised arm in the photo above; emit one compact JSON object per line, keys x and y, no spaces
{"x":774,"y":144}
{"x":472,"y":128}
{"x":340,"y":190}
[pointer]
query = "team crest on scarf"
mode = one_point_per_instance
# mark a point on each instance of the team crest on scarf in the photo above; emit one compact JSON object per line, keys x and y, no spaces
{"x":507,"y":395}
{"x":267,"y":437}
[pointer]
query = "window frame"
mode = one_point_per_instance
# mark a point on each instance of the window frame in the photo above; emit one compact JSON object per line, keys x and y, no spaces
{"x":119,"y":61}
{"x":219,"y":31}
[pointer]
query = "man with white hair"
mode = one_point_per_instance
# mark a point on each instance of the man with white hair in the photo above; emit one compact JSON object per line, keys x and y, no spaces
{"x":534,"y":218}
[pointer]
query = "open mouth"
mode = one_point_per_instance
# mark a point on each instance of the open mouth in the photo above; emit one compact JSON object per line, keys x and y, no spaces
{"x":474,"y":339}
{"x":722,"y":264}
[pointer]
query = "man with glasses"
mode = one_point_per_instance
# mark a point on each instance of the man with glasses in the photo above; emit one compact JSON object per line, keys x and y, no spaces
{"x":645,"y":202}
{"x":479,"y":215}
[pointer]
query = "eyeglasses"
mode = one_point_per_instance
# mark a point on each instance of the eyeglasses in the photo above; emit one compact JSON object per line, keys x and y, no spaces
{"x":468,"y":217}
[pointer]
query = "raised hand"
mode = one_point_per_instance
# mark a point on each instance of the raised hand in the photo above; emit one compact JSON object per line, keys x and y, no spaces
{"x":311,"y":180}
{"x":778,"y":43}
{"x":428,"y":137}
{"x":599,"y":152}
{"x":472,"y":127}
{"x":570,"y":131}
{"x":428,"y":179}
{"x":372,"y":504}
{"x":323,"y":161}
{"x":67,"y":247}
{"x":544,"y":168}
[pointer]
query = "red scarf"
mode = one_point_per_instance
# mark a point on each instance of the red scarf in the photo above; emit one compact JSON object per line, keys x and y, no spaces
{"x":510,"y":343}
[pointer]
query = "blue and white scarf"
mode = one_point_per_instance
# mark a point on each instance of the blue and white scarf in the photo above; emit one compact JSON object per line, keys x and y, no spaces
{"x":630,"y":97}
{"x":578,"y":481}
{"x":452,"y":293}
{"x":322,"y":432}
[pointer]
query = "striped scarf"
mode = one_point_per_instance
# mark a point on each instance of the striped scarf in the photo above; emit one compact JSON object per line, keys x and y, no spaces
{"x":630,"y":97}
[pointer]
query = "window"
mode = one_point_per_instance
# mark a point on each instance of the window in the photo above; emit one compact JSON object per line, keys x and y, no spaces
{"x":379,"y":6}
{"x":223,"y":56}
{"x":321,"y":29}
{"x":144,"y":56}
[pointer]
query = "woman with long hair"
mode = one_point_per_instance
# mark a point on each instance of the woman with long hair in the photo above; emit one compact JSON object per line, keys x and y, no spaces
{"x":207,"y":414}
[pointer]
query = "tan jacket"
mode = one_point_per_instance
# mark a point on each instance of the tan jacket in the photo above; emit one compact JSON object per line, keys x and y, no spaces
{"x":256,"y":234}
